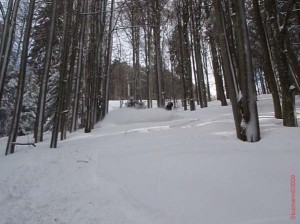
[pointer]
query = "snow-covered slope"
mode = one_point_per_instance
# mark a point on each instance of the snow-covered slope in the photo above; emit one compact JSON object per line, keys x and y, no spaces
{"x":156,"y":166}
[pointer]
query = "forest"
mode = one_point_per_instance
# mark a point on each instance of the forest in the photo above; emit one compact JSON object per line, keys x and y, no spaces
{"x":62,"y":61}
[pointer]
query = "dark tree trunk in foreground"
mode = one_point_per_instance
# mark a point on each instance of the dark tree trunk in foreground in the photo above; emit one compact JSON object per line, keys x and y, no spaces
{"x":249,"y":107}
{"x":228,"y":71}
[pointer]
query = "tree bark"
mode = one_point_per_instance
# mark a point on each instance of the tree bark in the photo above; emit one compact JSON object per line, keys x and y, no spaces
{"x":279,"y":29}
{"x":10,"y":148}
{"x":228,"y":68}
{"x":38,"y":135}
{"x":181,"y":57}
{"x":7,"y":41}
{"x":196,"y":28}
{"x":107,"y":69}
{"x":61,"y":109}
{"x":249,"y":107}
{"x":79,"y":69}
{"x":156,"y":7}
{"x":217,"y":73}
{"x":186,"y":53}
{"x":267,"y":64}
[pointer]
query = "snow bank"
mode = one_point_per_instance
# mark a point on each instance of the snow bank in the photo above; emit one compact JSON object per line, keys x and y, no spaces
{"x":131,"y":115}
{"x":156,"y":167}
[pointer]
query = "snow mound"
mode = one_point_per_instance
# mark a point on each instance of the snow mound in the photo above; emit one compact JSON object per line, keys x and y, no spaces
{"x":130,"y":115}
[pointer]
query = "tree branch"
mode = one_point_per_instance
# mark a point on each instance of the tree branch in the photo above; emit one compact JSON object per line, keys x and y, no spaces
{"x":16,"y":143}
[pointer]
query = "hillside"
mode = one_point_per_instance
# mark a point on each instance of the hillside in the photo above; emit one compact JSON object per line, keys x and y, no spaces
{"x":156,"y":167}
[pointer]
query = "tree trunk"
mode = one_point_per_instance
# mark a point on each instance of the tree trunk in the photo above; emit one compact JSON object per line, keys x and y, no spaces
{"x":40,"y":120}
{"x":196,"y":28}
{"x":79,"y":69}
{"x":267,"y":64}
{"x":156,"y":5}
{"x":147,"y":39}
{"x":181,"y":58}
{"x":293,"y":61}
{"x":187,"y":56}
{"x":107,"y":69}
{"x":61,"y":109}
{"x":249,"y":107}
{"x":205,"y":65}
{"x":10,"y":148}
{"x":7,"y":41}
{"x":100,"y":42}
{"x":217,"y":73}
{"x":279,"y":29}
{"x":228,"y":68}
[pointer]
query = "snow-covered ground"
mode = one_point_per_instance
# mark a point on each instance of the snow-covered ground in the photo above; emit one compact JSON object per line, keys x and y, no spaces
{"x":156,"y":167}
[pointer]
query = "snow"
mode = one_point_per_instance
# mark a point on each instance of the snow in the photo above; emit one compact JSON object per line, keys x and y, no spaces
{"x":156,"y":167}
{"x":12,"y":83}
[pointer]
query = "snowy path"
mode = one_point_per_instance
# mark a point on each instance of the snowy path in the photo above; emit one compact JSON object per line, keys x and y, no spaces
{"x":156,"y":167}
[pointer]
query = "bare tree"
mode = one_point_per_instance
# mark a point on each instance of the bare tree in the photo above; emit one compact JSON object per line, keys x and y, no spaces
{"x":43,"y":88}
{"x":279,"y":29}
{"x":22,"y":73}
{"x":107,"y":67}
{"x":269,"y":73}
{"x":79,"y":69}
{"x":156,"y":16}
{"x":62,"y":110}
{"x":186,"y":52}
{"x":249,"y":108}
{"x":7,"y":40}
{"x":229,"y":72}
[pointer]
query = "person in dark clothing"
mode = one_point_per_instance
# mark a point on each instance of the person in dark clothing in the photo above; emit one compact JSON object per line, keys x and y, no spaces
{"x":169,"y":106}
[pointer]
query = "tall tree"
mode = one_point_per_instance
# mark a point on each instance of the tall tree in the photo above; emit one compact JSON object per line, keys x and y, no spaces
{"x":22,"y":73}
{"x":196,"y":20}
{"x":187,"y":50}
{"x":267,"y":66}
{"x":248,"y":98}
{"x":7,"y":40}
{"x":61,"y":110}
{"x":279,"y":28}
{"x":79,"y":69}
{"x":40,"y":120}
{"x":156,"y":15}
{"x":108,"y":56}
{"x":229,"y":72}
